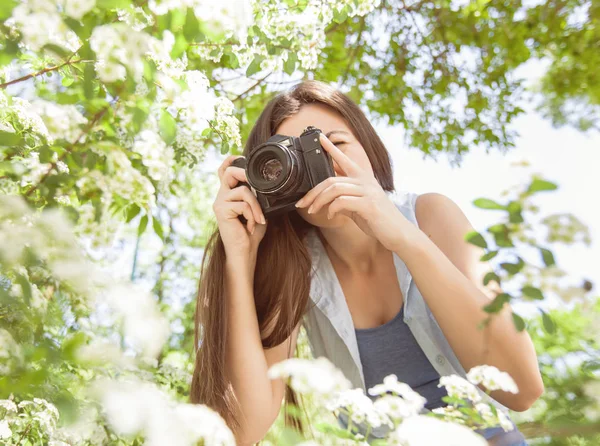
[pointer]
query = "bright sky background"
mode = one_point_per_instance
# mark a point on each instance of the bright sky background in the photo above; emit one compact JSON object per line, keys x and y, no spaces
{"x":564,"y":156}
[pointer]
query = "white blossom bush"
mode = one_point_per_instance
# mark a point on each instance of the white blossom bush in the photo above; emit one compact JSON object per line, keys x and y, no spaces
{"x":399,"y":408}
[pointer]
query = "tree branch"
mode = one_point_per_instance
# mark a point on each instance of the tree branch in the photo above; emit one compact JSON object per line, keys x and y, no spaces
{"x":44,"y":71}
{"x":260,"y":81}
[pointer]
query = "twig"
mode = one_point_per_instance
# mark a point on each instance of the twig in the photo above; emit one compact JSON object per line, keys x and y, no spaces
{"x":91,"y":124}
{"x":241,"y":95}
{"x":44,"y":71}
{"x":355,"y":50}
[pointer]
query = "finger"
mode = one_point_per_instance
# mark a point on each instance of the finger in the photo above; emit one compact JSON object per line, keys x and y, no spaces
{"x":225,"y":164}
{"x":345,"y":205}
{"x":245,"y":194}
{"x":237,"y":208}
{"x":232,"y":176}
{"x":315,"y":191}
{"x":349,"y":167}
{"x":334,"y":191}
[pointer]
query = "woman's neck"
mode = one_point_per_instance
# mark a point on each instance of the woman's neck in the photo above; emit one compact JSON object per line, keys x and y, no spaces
{"x":351,"y":247}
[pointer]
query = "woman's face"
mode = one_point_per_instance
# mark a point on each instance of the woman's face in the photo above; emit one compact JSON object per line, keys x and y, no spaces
{"x":338,"y":132}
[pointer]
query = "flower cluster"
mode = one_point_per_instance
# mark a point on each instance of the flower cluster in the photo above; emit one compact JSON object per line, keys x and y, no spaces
{"x":61,"y":121}
{"x":156,"y":155}
{"x":195,"y":109}
{"x":423,"y":430}
{"x":133,"y":407}
{"x":458,"y":387}
{"x":226,"y":15}
{"x":492,"y":379}
{"x":359,"y":407}
{"x":40,"y":22}
{"x":226,"y":124}
{"x":119,"y":48}
{"x":319,"y":377}
{"x":19,"y":418}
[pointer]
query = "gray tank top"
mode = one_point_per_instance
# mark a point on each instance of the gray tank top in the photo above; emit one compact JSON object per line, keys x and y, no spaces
{"x":392,"y":349}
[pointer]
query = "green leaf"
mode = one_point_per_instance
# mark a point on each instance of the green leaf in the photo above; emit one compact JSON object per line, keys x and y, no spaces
{"x":89,"y":74}
{"x":179,"y":46}
{"x":191,"y":28}
{"x":518,"y":321}
{"x":132,"y":211}
{"x":538,"y":185}
{"x":254,"y":66}
{"x":548,"y":322}
{"x":290,"y":64}
{"x":113,"y":4}
{"x":67,"y":81}
{"x":488,"y":256}
{"x":6,"y":7}
{"x":143,"y":224}
{"x":486,"y":203}
{"x":533,"y":292}
{"x":514,"y":210}
{"x":491,"y":276}
{"x":513,"y":268}
{"x":62,"y":52}
{"x":25,"y":287}
{"x":475,"y":238}
{"x":158,"y":228}
{"x":10,"y":139}
{"x":547,"y":257}
{"x":497,"y":304}
{"x":225,"y":147}
{"x":167,"y":127}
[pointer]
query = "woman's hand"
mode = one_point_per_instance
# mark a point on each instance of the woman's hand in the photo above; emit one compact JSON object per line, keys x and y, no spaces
{"x":359,"y":196}
{"x":231,"y":202}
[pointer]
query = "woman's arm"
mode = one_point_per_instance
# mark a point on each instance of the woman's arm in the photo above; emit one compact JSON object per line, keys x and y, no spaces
{"x":247,"y":362}
{"x":449,"y":275}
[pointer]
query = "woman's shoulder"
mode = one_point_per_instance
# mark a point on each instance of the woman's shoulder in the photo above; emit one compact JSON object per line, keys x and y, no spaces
{"x":405,"y":201}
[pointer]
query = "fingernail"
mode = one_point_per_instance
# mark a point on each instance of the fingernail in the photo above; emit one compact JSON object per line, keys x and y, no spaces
{"x":310,"y":210}
{"x":252,"y":230}
{"x":300,"y":203}
{"x":329,"y":216}
{"x":262,"y":220}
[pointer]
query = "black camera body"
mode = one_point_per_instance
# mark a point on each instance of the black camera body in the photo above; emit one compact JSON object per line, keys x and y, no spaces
{"x":284,"y":168}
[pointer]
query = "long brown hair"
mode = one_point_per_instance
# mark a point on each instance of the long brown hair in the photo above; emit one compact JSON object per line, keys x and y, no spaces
{"x":282,"y":274}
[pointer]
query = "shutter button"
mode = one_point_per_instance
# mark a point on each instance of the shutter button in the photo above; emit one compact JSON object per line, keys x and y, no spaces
{"x":440,"y":360}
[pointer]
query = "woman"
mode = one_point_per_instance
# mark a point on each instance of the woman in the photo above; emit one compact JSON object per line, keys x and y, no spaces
{"x":383,"y":283}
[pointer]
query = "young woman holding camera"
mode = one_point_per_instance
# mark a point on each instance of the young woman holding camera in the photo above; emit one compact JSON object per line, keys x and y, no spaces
{"x":383,"y":283}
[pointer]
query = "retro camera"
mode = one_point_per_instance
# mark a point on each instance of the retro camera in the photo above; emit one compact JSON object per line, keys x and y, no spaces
{"x":284,"y":168}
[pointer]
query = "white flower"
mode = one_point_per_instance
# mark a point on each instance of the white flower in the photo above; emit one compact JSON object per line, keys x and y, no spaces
{"x":5,"y":431}
{"x":223,"y":106}
{"x":109,"y":72}
{"x":135,"y":407}
{"x":78,"y":8}
{"x":423,"y":430}
{"x":61,"y":121}
{"x":359,"y":406}
{"x":319,"y":376}
{"x":460,"y":388}
{"x":392,"y":385}
{"x":156,"y":156}
{"x":8,"y":405}
{"x":505,"y":422}
{"x":143,"y":323}
{"x":452,"y":414}
{"x":492,"y":379}
{"x":398,"y":408}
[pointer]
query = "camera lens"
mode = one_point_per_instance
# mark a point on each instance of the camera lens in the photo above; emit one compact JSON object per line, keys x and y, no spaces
{"x":271,"y":169}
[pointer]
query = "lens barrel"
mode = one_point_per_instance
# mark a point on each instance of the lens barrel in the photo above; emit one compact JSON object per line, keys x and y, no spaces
{"x":272,"y":168}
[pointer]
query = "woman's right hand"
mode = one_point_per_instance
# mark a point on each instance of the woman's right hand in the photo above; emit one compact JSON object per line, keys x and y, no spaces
{"x":240,"y":240}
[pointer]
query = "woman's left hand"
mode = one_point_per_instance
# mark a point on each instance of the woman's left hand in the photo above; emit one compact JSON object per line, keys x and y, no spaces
{"x":359,"y":196}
